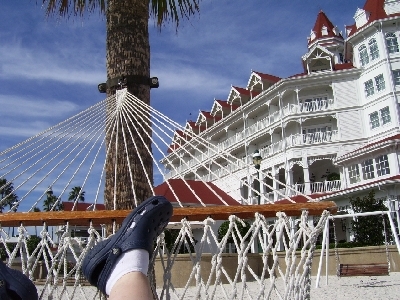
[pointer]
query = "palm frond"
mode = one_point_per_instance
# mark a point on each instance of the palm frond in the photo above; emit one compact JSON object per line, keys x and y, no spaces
{"x":173,"y":10}
{"x":66,"y":8}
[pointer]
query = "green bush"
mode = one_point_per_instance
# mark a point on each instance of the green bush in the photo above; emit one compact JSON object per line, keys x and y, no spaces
{"x":170,"y":236}
{"x":369,"y":230}
{"x":223,"y":229}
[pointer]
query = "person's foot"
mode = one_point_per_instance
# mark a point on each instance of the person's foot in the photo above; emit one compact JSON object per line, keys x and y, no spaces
{"x":15,"y":285}
{"x":138,"y":231}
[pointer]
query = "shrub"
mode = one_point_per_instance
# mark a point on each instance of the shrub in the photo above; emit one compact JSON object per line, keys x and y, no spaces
{"x":369,"y":230}
{"x":223,"y":229}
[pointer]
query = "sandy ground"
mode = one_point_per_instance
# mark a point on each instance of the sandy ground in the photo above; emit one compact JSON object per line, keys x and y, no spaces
{"x":374,"y":287}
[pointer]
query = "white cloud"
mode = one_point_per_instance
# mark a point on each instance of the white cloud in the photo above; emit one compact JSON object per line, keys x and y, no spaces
{"x":20,"y":107}
{"x":23,"y":130}
{"x":38,"y":64}
{"x":187,"y":78}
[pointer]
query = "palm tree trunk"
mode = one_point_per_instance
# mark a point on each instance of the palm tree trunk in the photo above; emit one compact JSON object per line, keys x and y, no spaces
{"x":128,"y":53}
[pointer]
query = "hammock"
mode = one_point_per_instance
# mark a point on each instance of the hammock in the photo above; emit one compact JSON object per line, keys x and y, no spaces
{"x":68,"y":161}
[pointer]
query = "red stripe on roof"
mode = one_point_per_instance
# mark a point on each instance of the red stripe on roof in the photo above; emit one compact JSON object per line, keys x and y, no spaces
{"x":204,"y":190}
{"x":268,"y":77}
{"x":81,"y":206}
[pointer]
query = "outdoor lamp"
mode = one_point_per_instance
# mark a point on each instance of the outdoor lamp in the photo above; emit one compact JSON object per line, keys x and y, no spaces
{"x":257,"y":159}
{"x":257,"y":164}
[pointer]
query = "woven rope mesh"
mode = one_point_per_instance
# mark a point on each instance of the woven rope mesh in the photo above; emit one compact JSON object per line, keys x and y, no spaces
{"x":280,"y":271}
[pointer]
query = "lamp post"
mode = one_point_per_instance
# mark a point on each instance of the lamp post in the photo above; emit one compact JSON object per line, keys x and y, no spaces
{"x":257,"y":164}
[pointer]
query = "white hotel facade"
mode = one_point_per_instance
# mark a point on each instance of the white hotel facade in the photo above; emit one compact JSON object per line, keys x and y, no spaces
{"x":331,"y":132}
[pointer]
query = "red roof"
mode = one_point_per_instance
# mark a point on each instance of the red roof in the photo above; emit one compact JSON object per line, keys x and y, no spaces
{"x":268,"y":77}
{"x":241,"y":91}
{"x":299,"y":198}
{"x":344,"y":66}
{"x":80,"y":206}
{"x":246,"y":92}
{"x":186,"y":195}
{"x":191,"y":123}
{"x":322,"y":20}
{"x":376,"y":10}
{"x":172,"y":148}
{"x":208,"y":115}
{"x":226,"y":104}
{"x":360,"y":149}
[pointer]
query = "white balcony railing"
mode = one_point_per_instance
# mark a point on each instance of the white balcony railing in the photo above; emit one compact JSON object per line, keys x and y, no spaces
{"x":311,"y":138}
{"x":316,"y":105}
{"x":291,"y":141}
{"x":325,"y":186}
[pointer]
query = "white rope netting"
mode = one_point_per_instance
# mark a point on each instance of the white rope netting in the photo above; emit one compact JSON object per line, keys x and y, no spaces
{"x":281,"y":271}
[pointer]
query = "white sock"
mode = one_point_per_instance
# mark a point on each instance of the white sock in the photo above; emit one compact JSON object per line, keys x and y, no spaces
{"x":136,"y":260}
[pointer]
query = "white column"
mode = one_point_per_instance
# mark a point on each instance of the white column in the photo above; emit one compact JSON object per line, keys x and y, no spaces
{"x":275,"y":184}
{"x":307,"y":187}
{"x":289,"y":181}
{"x":394,"y":164}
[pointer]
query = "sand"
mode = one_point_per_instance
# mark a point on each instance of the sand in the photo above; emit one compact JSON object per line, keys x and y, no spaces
{"x":365,"y":287}
{"x":358,"y":287}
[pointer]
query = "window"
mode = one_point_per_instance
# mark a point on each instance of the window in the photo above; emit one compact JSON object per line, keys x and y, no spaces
{"x":382,"y":165}
{"x":396,"y":77}
{"x":369,"y":88}
{"x":364,"y":59}
{"x":381,"y":117}
{"x":380,"y":83}
{"x":385,"y":115}
{"x":368,"y":169}
{"x":391,"y":42}
{"x":373,"y":49}
{"x":374,"y":120}
{"x":354,"y":174}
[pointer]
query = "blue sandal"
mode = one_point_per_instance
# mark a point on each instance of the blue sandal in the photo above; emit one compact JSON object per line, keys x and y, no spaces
{"x":15,"y":285}
{"x":147,"y":220}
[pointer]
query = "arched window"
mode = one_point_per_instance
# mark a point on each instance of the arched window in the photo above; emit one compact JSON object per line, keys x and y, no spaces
{"x":391,"y":42}
{"x":364,"y":58}
{"x":373,"y":49}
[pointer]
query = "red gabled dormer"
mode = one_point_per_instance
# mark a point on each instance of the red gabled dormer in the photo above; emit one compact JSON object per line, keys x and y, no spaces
{"x":172,"y":148}
{"x":222,"y":108}
{"x":240,"y":96}
{"x":180,"y":137}
{"x":373,"y":10}
{"x":191,"y":127}
{"x":260,"y":81}
{"x":205,"y":119}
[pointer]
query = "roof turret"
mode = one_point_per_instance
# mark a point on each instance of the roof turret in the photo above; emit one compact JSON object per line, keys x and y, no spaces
{"x":323,"y":30}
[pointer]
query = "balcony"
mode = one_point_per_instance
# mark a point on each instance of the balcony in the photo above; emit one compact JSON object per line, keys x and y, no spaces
{"x":311,"y":138}
{"x":298,"y":189}
{"x":291,"y":141}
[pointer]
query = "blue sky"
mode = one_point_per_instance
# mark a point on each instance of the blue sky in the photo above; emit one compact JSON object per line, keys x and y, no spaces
{"x":49,"y":68}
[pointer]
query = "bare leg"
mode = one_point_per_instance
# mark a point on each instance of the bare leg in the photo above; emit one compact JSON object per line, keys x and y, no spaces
{"x":132,"y":286}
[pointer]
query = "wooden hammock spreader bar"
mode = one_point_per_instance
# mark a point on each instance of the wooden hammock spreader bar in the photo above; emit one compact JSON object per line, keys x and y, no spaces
{"x":191,"y":213}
